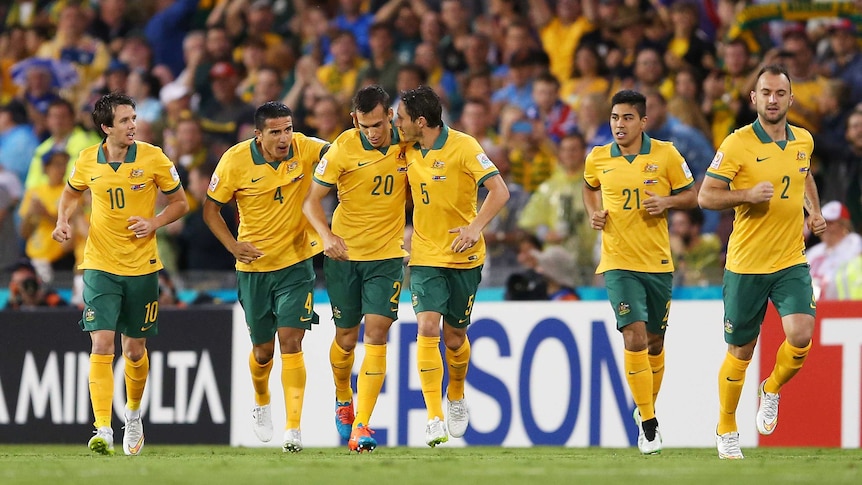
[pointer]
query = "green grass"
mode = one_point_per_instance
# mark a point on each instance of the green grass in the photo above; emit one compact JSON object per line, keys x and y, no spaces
{"x":215,"y":465}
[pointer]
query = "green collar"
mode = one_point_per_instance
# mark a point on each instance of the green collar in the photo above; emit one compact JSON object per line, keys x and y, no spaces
{"x":392,"y":141}
{"x":646,"y":146}
{"x":257,"y":156}
{"x":131,"y":153}
{"x":764,"y":137}
{"x":440,"y":141}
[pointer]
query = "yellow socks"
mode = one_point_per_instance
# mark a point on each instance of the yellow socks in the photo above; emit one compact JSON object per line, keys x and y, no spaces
{"x":731,"y":377}
{"x":293,"y":381}
{"x":788,"y":361}
{"x":260,"y":379}
{"x":639,"y":377}
{"x":136,"y":380}
{"x":101,"y":388}
{"x":369,"y":382}
{"x":458,"y":362}
{"x":430,"y":364}
{"x":341,"y":362}
{"x":656,"y":363}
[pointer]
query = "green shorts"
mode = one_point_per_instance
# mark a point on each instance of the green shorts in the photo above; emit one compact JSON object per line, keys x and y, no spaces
{"x":746,"y":297}
{"x":358,"y":288}
{"x":276,"y":299}
{"x":640,"y":297}
{"x":448,"y":291}
{"x":125,"y":304}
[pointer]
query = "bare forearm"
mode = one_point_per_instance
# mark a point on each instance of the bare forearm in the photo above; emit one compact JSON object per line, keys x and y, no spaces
{"x":592,"y":200}
{"x":313,"y":210}
{"x":811,"y":198}
{"x":498,"y":195}
{"x":216,"y":223}
{"x":686,"y":199}
{"x":68,"y":204}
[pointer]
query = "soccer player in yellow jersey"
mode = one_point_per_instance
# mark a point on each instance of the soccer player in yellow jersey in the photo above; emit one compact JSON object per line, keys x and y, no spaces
{"x":121,"y":263}
{"x":269,"y":176}
{"x":365,"y":250}
{"x":445,"y":169}
{"x":762,"y":171}
{"x":632,"y":182}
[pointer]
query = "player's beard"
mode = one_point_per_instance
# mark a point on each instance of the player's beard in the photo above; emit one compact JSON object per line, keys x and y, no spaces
{"x":774,"y":119}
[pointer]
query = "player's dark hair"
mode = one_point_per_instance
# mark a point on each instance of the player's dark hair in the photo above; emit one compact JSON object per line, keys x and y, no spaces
{"x":423,"y":102}
{"x":776,"y":69}
{"x":370,"y":97}
{"x":268,"y":111}
{"x":632,"y":98}
{"x":103,"y":112}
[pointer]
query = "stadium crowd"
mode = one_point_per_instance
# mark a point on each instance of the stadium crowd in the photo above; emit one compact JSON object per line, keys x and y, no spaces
{"x":531,"y":80}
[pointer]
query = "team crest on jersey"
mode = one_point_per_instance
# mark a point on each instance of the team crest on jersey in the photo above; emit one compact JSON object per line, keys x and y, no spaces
{"x":801,"y":155}
{"x":438,"y":178}
{"x":136,"y":173}
{"x":484,"y":161}
{"x":321,"y":167}
{"x":139,"y":186}
{"x":292,"y":166}
{"x":650,"y":168}
{"x":716,"y":160}
{"x":438,"y":165}
{"x":89,"y":315}
{"x":624,"y":308}
{"x":214,"y":180}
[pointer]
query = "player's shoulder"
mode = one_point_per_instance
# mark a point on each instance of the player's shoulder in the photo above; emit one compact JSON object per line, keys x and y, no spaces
{"x":800,"y":133}
{"x":347,"y":140}
{"x":600,"y":151}
{"x":90,"y":153}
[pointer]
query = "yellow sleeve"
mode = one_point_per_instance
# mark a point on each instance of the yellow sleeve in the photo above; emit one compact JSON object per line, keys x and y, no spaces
{"x":221,"y":188}
{"x":726,"y":163}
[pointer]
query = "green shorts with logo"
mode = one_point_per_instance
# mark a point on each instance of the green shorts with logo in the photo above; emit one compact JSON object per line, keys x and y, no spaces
{"x":640,"y":297}
{"x":276,"y":299}
{"x":746,"y":297}
{"x":358,"y":288}
{"x":125,"y":304}
{"x":448,"y":291}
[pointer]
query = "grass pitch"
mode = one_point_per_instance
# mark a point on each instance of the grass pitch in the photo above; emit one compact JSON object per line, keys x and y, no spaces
{"x":215,"y":465}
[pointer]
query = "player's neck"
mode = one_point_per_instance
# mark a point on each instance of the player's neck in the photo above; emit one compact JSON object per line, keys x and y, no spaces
{"x":115,"y":152}
{"x":634,"y":148}
{"x":776,"y":131}
{"x":429,"y":137}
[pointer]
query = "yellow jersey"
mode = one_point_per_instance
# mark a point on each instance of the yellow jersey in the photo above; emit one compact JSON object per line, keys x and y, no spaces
{"x":560,"y":41}
{"x":444,"y":183}
{"x":120,"y":190}
{"x":269,"y":198}
{"x":40,"y":244}
{"x":632,"y":239}
{"x":766,"y":237}
{"x":372,"y":195}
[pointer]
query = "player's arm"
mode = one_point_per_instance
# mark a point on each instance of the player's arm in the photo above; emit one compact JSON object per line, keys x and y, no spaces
{"x":811,"y":200}
{"x":593,"y":204}
{"x":656,"y":205}
{"x":177,"y":207}
{"x":333,"y":246}
{"x":244,"y":252}
{"x":715,"y":194}
{"x":498,"y":195}
{"x":68,"y":203}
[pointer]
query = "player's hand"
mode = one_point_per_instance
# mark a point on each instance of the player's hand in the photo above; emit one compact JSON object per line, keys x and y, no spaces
{"x":245,"y":252}
{"x":816,"y":224}
{"x":655,"y":204}
{"x":761,"y":192}
{"x":334,"y":247}
{"x":467,"y":238}
{"x":141,"y":226}
{"x":598,"y":219}
{"x":62,"y":232}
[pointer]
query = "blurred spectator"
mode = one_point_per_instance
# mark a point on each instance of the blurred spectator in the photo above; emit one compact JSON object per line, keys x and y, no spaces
{"x":217,"y":49}
{"x":604,"y":38}
{"x":136,"y":53}
{"x":443,"y":81}
{"x":37,"y":93}
{"x":531,"y":154}
{"x":555,"y":212}
{"x":227,"y":118}
{"x":838,"y":246}
{"x":144,"y":88}
{"x":199,"y":250}
{"x":406,"y":28}
{"x":527,"y":284}
{"x":328,"y":119}
{"x":476,"y":121}
{"x":456,"y":21}
{"x":165,"y":31}
{"x":194,"y":52}
{"x":691,"y":143}
{"x":110,"y":24}
{"x":26,"y":290}
{"x":65,"y":135}
{"x":561,"y":31}
{"x":175,"y":99}
{"x":477,"y":48}
{"x":252,"y":18}
{"x":187,"y":146}
{"x":845,"y":62}
{"x":834,"y":109}
{"x":551,"y":117}
{"x":352,"y":18}
{"x":589,"y":76}
{"x":13,"y":48}
{"x":17,"y":141}
{"x":38,"y":213}
{"x":688,"y":46}
{"x":517,"y":39}
{"x":267,"y":87}
{"x":697,"y":255}
{"x":72,"y":43}
{"x":11,"y":192}
{"x":726,"y":93}
{"x":557,"y":267}
{"x":411,"y":76}
{"x":650,"y":73}
{"x":518,"y":91}
{"x":797,"y":53}
{"x":841,"y":176}
{"x":593,"y":121}
{"x":478,"y":85}
{"x":384,"y":62}
{"x":687,"y":100}
{"x":340,"y":75}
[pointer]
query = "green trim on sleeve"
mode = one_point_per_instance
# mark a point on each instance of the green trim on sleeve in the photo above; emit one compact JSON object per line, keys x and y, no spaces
{"x":321,"y":182}
{"x":486,"y":177}
{"x":323,"y":150}
{"x":169,"y":192}
{"x":682,"y":189}
{"x":719,"y":177}
{"x":215,"y":201}
{"x":73,"y":188}
{"x":591,"y":187}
